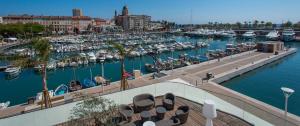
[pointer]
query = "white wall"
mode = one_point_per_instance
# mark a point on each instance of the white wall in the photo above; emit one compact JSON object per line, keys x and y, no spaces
{"x":61,"y":113}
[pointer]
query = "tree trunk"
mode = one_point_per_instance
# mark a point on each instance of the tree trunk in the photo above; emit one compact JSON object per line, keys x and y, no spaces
{"x":46,"y":97}
{"x":123,"y":77}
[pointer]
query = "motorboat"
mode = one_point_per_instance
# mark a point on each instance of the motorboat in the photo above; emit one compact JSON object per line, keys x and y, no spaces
{"x":73,"y":64}
{"x":37,"y":68}
{"x":12,"y":71}
{"x":87,"y":83}
{"x":92,"y":57}
{"x":61,"y":64}
{"x":4,"y":105}
{"x":288,"y":35}
{"x":100,"y":80}
{"x":61,"y":89}
{"x":51,"y":65}
{"x":229,"y":34}
{"x":249,"y":34}
{"x":75,"y":86}
{"x":273,"y":35}
{"x":39,"y":95}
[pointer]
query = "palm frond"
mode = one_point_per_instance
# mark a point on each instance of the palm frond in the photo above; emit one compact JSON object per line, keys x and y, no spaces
{"x":42,"y":47}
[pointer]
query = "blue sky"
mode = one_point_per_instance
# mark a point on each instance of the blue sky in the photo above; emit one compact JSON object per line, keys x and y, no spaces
{"x":180,"y":11}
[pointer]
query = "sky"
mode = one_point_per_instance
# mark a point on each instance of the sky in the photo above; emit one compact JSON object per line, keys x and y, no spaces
{"x":179,"y":11}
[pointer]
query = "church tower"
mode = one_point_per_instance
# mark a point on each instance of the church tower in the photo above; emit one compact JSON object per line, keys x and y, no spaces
{"x":125,"y":11}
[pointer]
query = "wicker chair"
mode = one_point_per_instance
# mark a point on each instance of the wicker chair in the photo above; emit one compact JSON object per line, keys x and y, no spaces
{"x":126,"y":112}
{"x":168,"y":122}
{"x":143,"y":102}
{"x":182,"y":113}
{"x":169,"y":101}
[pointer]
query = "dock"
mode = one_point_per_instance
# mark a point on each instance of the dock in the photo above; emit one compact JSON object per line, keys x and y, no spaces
{"x":3,"y":47}
{"x":223,"y":69}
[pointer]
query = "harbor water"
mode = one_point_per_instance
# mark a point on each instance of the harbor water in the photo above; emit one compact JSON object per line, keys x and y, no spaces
{"x":29,"y":83}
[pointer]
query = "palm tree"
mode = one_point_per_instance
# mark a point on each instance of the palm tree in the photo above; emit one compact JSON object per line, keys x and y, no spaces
{"x":42,"y":48}
{"x":122,"y":52}
{"x":255,"y":24}
{"x":262,"y":24}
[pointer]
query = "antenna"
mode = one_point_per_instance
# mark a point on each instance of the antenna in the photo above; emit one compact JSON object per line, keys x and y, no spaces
{"x":191,"y":17}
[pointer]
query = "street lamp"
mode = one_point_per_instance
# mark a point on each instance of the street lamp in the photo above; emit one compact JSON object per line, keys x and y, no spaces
{"x":172,"y":51}
{"x":287,"y":93}
{"x":102,"y":71}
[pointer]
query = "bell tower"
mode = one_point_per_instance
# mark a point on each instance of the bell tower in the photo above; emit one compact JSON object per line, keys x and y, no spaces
{"x":125,"y":11}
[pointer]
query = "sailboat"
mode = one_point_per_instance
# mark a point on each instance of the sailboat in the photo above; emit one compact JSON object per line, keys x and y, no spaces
{"x":4,"y":105}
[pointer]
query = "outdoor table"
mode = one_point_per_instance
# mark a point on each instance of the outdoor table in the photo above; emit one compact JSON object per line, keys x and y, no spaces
{"x":148,"y":123}
{"x":145,"y":115}
{"x":160,"y":112}
{"x":178,"y":112}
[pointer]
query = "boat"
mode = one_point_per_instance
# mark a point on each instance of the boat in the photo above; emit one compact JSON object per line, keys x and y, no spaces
{"x":73,"y":64}
{"x":39,"y":95}
{"x":61,"y":64}
{"x":51,"y":65}
{"x":150,"y":68}
{"x":4,"y":105}
{"x":12,"y":71}
{"x":249,"y":34}
{"x":228,"y":34}
{"x":273,"y":35}
{"x":37,"y":68}
{"x":61,"y":89}
{"x":75,"y":86}
{"x":288,"y":35}
{"x":87,"y":83}
{"x":92,"y":57}
{"x":100,"y":80}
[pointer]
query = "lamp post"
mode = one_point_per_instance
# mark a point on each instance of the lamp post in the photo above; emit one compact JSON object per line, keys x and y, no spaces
{"x":287,"y":93}
{"x":102,"y":72}
{"x":172,"y":51}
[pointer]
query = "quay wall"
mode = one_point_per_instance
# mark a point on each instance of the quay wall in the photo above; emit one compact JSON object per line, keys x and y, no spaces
{"x":243,"y":69}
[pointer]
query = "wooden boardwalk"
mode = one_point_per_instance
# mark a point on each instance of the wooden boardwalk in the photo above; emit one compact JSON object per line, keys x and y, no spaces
{"x":195,"y":115}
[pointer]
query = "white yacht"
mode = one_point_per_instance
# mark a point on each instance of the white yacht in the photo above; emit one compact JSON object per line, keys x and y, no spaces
{"x":51,"y":65}
{"x":228,"y":34}
{"x":12,"y":71}
{"x":273,"y":35}
{"x":92,"y":57}
{"x":249,"y":34}
{"x":4,"y":105}
{"x":288,"y":35}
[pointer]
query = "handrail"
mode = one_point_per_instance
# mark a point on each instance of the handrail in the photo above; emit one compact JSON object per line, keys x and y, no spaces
{"x":244,"y":102}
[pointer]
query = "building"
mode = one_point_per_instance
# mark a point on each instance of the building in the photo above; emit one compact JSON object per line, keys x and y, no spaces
{"x":56,"y":24}
{"x":77,"y":12}
{"x":156,"y":25}
{"x":270,"y":47}
{"x":1,"y":20}
{"x":132,"y":22}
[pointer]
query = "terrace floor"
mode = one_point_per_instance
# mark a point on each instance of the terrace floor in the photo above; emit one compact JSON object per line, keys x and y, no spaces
{"x":195,"y":115}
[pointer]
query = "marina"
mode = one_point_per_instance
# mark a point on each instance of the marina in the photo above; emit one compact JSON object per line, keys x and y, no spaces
{"x":193,"y":74}
{"x":71,"y":72}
